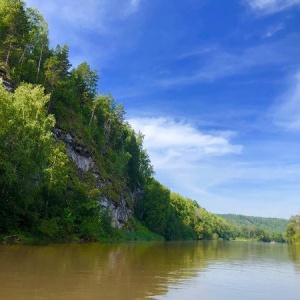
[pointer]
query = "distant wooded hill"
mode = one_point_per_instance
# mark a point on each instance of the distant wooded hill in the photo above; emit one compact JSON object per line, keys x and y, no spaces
{"x":270,"y":225}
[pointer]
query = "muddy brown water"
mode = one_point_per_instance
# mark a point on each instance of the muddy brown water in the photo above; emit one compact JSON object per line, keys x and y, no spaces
{"x":182,"y":270}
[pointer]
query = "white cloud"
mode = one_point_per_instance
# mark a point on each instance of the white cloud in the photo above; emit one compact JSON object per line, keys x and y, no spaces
{"x":271,"y":6}
{"x":205,"y":167}
{"x":286,"y":113}
{"x":173,"y":144}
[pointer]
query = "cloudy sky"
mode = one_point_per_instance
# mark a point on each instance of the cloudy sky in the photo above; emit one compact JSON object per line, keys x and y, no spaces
{"x":214,"y":86}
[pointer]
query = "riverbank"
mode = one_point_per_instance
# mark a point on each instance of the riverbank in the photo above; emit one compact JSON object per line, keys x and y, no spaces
{"x":138,"y":234}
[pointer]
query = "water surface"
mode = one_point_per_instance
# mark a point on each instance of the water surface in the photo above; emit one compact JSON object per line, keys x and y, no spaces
{"x":189,"y":270}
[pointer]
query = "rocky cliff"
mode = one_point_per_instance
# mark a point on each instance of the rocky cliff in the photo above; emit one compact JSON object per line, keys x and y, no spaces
{"x":120,"y":211}
{"x":83,"y":159}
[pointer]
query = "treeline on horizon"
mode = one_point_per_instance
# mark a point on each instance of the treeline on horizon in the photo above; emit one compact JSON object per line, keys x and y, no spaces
{"x":43,"y":194}
{"x":276,"y":225}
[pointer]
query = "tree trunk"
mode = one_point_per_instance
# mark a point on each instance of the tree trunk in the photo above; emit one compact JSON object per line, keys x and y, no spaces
{"x":92,"y":116}
{"x":8,"y":54}
{"x":39,"y":65}
{"x":22,"y":56}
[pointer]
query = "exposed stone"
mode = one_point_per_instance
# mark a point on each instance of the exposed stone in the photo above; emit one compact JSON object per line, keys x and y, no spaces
{"x":11,"y":239}
{"x":84,"y":163}
{"x":137,"y":194}
{"x":82,"y":157}
{"x":119,"y":213}
{"x":8,"y":84}
{"x":68,"y":138}
{"x":79,"y":154}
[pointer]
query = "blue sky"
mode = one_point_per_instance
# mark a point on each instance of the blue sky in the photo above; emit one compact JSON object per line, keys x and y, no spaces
{"x":214,"y":86}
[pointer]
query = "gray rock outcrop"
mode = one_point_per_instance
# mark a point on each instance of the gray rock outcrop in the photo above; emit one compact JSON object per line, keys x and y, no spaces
{"x":82,"y":157}
{"x":8,"y":84}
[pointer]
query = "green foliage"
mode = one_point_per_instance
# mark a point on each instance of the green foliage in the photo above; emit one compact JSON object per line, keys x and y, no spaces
{"x":14,"y":31}
{"x":271,"y":225}
{"x":49,"y":228}
{"x":293,"y":230}
{"x":57,"y":68}
{"x":96,"y":227}
{"x":86,"y":83}
{"x":135,"y":231}
{"x":258,"y":228}
{"x":39,"y":188}
{"x":179,"y":218}
{"x":38,"y":47}
{"x":154,"y":209}
{"x":182,"y":218}
{"x":29,"y":155}
{"x":23,"y":41}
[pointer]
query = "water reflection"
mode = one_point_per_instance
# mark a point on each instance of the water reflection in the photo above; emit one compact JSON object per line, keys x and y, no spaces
{"x":124,"y":271}
{"x":294,"y":255}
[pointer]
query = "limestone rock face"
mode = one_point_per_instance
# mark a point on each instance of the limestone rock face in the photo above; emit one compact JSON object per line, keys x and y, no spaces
{"x":8,"y":84}
{"x":120,"y":213}
{"x":82,"y":157}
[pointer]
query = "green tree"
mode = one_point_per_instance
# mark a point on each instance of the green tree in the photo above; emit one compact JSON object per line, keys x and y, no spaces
{"x":86,"y":83}
{"x":293,"y":230}
{"x":57,"y":67}
{"x":29,"y":156}
{"x":39,"y":42}
{"x":154,"y":208}
{"x":14,"y":31}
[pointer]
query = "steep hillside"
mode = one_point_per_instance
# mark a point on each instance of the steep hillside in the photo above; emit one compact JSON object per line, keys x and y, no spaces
{"x":71,"y":167}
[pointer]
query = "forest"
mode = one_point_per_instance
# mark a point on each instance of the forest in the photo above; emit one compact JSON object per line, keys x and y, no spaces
{"x":48,"y":108}
{"x":252,"y":227}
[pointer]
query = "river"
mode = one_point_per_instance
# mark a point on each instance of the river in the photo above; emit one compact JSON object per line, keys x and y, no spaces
{"x":182,"y":270}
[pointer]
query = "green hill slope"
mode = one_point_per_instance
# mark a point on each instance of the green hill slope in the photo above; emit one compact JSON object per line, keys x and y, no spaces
{"x":270,"y":225}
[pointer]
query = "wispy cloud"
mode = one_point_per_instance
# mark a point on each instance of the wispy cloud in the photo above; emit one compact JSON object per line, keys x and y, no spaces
{"x":132,"y":6}
{"x":197,"y":52}
{"x":171,"y":143}
{"x":237,"y":187}
{"x":272,"y":30}
{"x":222,"y":64}
{"x":286,"y":113}
{"x":88,"y":14}
{"x":83,"y":23}
{"x":271,"y":6}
